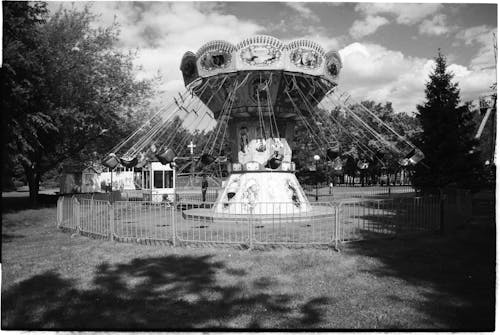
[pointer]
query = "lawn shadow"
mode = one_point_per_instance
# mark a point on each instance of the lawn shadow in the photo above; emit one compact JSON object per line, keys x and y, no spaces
{"x":459,"y":268}
{"x":170,"y":292}
{"x":457,"y":271}
{"x":7,"y":237}
{"x":20,"y":201}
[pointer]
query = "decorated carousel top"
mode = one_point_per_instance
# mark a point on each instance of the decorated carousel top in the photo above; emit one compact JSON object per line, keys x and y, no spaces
{"x":255,"y":65}
{"x":261,"y":53}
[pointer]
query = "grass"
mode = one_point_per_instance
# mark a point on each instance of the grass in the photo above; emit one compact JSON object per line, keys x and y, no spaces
{"x":56,"y":280}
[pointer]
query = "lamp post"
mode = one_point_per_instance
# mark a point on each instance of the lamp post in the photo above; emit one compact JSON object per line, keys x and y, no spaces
{"x":316,"y":160}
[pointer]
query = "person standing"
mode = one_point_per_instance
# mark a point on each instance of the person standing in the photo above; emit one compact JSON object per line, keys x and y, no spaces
{"x":204,"y":187}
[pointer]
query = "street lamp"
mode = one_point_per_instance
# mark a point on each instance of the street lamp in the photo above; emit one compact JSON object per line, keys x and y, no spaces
{"x":316,"y":160}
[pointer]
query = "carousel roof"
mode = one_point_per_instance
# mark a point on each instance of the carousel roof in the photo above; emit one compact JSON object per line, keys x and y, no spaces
{"x":261,"y":52}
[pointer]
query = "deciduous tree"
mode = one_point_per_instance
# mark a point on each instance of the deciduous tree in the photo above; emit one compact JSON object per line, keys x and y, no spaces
{"x":85,"y":96}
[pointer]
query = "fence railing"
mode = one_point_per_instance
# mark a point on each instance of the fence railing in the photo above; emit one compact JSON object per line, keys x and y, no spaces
{"x":369,"y":219}
{"x":326,"y":193}
{"x":320,"y":223}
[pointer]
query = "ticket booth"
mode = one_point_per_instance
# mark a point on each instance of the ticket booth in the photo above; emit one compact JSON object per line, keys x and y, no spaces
{"x":158,"y":182}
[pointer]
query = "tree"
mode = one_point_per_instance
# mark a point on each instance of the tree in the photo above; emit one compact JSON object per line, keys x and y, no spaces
{"x":20,"y":73}
{"x":447,"y":137}
{"x":85,"y":98}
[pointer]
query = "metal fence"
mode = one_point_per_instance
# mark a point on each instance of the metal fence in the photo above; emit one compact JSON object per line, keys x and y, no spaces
{"x":369,"y":219}
{"x":323,"y":223}
{"x":326,"y":193}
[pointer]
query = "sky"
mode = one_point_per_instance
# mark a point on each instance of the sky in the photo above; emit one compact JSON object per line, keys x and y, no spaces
{"x":387,"y":49}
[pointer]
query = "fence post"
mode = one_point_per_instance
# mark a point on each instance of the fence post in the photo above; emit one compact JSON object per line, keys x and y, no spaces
{"x":173,"y":217}
{"x":111,"y":209}
{"x":250,"y":230}
{"x":76,"y":213}
{"x":59,"y":211}
{"x":336,"y":227}
{"x":441,"y":212}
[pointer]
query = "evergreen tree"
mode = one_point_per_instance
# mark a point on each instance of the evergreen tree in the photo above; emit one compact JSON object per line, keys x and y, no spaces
{"x":447,"y":135}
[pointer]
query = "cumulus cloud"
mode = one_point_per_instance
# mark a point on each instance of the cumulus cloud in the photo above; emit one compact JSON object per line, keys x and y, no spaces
{"x":481,"y":37}
{"x":374,"y":72}
{"x":367,"y":26}
{"x":405,"y":13}
{"x":303,"y":10}
{"x":435,"y":26}
{"x":162,"y":32}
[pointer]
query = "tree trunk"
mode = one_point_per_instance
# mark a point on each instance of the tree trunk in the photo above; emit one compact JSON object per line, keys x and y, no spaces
{"x":33,"y":178}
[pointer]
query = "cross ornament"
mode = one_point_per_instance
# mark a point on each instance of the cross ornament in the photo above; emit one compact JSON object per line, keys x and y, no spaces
{"x":191,"y":147}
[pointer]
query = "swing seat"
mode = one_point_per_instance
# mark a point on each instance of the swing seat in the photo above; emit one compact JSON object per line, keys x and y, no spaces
{"x":404,"y":162}
{"x":141,"y":161}
{"x":207,"y":159}
{"x":166,"y":156}
{"x":362,"y":165}
{"x":274,"y":162}
{"x":129,"y":162}
{"x":111,"y":161}
{"x":332,"y":152}
{"x":416,"y":157}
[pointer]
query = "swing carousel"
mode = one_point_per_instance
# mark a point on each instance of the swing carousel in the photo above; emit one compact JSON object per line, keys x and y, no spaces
{"x":254,"y":94}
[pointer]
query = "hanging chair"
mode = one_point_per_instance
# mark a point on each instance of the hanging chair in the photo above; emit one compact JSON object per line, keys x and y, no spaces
{"x":129,"y":162}
{"x":404,"y":162}
{"x":333,"y":152}
{"x":166,"y":156}
{"x":261,"y":145}
{"x":142,"y":160}
{"x":416,"y":157}
{"x":111,"y":161}
{"x":363,"y":165}
{"x":222,"y":159}
{"x":207,"y":159}
{"x":275,"y":161}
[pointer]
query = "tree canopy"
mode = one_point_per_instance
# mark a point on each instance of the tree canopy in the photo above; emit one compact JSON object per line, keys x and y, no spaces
{"x":73,"y":93}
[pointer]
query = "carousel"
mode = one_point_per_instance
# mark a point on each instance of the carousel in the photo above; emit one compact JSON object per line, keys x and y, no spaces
{"x":254,"y":94}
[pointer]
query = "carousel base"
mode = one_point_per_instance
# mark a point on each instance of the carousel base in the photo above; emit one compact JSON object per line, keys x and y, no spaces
{"x":209,"y":215}
{"x":261,"y":193}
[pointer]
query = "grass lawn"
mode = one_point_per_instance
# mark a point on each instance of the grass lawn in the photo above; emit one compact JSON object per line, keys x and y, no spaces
{"x":56,"y":280}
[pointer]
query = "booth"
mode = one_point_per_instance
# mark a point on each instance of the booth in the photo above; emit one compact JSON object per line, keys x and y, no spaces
{"x":158,"y":182}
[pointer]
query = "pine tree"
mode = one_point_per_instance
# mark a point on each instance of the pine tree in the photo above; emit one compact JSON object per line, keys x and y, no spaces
{"x":447,"y":137}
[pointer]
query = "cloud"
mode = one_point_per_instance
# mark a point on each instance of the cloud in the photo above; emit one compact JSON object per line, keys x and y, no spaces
{"x":405,"y":13}
{"x":480,"y":37}
{"x":303,"y":10}
{"x":162,"y":32}
{"x":374,"y":72}
{"x":369,"y":25}
{"x":436,"y":26}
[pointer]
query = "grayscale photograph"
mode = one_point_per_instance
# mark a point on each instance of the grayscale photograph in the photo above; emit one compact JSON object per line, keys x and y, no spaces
{"x":248,"y":166}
